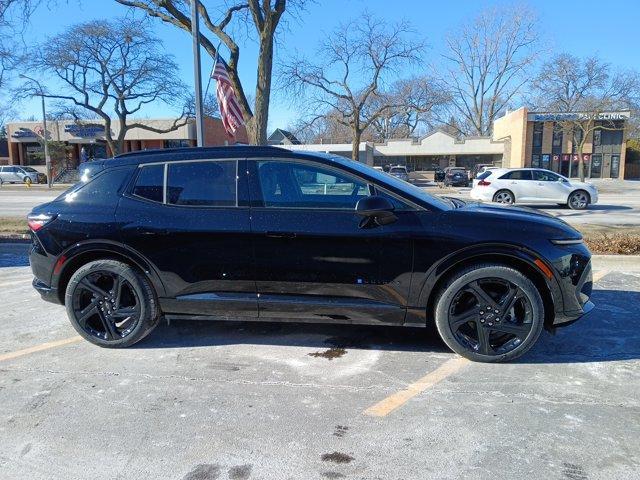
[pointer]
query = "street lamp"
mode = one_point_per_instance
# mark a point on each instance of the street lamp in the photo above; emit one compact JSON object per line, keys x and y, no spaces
{"x":44,"y":127}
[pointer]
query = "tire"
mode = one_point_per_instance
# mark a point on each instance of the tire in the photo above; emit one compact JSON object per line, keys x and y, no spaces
{"x":508,"y":334}
{"x":504,"y":197}
{"x":107,"y":318}
{"x":578,"y":200}
{"x":27,"y":180}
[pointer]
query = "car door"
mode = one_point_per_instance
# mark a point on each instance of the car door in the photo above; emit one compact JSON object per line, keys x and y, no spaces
{"x":520,"y":182}
{"x":190,"y":219}
{"x":315,"y":260}
{"x":551,"y":187}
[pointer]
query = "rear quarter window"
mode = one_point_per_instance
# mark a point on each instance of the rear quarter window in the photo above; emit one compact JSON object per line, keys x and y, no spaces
{"x":102,"y":189}
{"x":149,"y":183}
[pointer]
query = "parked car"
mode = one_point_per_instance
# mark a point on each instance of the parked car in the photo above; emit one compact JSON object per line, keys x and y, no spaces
{"x":478,"y":169}
{"x":18,"y":174}
{"x":438,"y":175}
{"x":400,"y":172}
{"x":456,"y":177}
{"x":244,"y":233}
{"x":533,"y":186}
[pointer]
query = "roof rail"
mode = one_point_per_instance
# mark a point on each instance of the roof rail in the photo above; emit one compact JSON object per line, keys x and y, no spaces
{"x":156,"y":151}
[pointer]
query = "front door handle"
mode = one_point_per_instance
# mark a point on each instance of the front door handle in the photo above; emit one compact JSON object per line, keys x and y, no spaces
{"x":281,"y":235}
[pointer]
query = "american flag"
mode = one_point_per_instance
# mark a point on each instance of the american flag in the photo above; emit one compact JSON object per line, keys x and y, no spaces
{"x":230,"y":111}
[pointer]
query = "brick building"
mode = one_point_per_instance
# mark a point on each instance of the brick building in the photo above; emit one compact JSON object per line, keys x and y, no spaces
{"x":25,"y":139}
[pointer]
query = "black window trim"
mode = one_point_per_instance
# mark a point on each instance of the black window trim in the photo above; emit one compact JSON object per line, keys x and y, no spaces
{"x":371,"y":186}
{"x":166,"y":163}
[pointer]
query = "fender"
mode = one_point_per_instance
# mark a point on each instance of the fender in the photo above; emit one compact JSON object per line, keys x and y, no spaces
{"x":106,"y":248}
{"x":425,"y":282}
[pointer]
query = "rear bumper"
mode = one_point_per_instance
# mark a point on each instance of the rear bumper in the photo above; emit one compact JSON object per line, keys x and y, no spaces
{"x":46,"y":292}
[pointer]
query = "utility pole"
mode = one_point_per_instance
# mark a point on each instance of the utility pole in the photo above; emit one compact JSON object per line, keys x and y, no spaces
{"x":197,"y":75}
{"x":47,"y":158}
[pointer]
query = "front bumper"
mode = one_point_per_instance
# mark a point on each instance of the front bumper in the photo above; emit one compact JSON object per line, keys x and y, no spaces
{"x":577,"y":295}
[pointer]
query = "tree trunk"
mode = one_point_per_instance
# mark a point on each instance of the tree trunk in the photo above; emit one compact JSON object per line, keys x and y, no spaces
{"x":257,"y":125}
{"x":355,"y":145}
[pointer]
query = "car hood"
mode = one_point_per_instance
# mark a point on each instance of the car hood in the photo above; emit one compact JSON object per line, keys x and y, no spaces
{"x":521,"y":218}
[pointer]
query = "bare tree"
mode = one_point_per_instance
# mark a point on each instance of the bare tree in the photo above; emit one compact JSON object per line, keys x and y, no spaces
{"x":350,"y":70}
{"x":113,"y":70}
{"x":584,"y":92}
{"x":14,"y":15}
{"x":414,"y":100}
{"x":265,"y":16}
{"x":488,"y":60}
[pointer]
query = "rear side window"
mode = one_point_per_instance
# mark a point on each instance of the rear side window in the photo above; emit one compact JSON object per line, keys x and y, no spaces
{"x":208,"y":183}
{"x":150,"y":183}
{"x":102,"y":190}
{"x":517,"y":175}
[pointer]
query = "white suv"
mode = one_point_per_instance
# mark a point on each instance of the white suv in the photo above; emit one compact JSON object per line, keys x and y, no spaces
{"x":534,"y":186}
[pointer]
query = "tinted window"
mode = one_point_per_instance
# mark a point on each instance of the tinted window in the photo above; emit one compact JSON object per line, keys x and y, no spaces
{"x":517,"y":175}
{"x":484,"y":175}
{"x":290,"y":184}
{"x":542,"y":176}
{"x":103,"y":189}
{"x":149,"y":183}
{"x":211,"y":184}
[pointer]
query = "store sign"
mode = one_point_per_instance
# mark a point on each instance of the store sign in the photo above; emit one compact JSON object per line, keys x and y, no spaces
{"x":568,"y":117}
{"x":84,"y":130}
{"x":24,"y":133}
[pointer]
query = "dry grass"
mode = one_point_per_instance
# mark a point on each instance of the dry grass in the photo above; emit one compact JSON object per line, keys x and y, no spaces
{"x":10,"y":226}
{"x":613,"y":243}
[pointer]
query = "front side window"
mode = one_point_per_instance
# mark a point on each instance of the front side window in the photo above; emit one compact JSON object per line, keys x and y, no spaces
{"x":306,"y":185}
{"x":202,"y":183}
{"x":150,"y":183}
{"x":542,"y":176}
{"x":517,"y":175}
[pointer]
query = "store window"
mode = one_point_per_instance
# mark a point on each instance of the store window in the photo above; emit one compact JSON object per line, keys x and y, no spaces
{"x":177,"y":143}
{"x":556,"y":142}
{"x":537,"y":135}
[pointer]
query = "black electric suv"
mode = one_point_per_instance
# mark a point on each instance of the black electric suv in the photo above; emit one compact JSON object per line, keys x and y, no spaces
{"x":263,"y":233}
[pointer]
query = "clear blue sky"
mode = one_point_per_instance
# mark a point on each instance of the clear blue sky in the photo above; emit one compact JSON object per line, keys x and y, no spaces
{"x":580,"y":27}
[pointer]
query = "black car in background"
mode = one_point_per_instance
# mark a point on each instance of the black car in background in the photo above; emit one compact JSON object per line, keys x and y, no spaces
{"x":456,"y":177}
{"x":262,"y":233}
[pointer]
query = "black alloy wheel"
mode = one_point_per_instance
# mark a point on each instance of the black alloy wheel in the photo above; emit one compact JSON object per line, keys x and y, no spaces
{"x":111,"y":304}
{"x":490,"y":313}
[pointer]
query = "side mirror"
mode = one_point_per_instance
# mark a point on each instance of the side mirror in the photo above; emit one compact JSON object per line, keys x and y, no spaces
{"x":375,"y":211}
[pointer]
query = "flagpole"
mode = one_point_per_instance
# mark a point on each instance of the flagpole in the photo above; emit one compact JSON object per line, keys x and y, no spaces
{"x":195,"y":33}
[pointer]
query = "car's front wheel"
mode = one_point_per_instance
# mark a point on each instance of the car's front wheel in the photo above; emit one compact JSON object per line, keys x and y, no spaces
{"x":489,"y":313}
{"x":111,"y":304}
{"x":27,"y":180}
{"x":578,"y":200}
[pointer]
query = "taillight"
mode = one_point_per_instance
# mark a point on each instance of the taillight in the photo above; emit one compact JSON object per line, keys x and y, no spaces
{"x":483,"y":183}
{"x":36,"y":222}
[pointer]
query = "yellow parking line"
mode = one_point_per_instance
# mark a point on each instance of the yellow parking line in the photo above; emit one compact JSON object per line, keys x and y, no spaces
{"x":39,"y":348}
{"x":392,"y":402}
{"x":597,"y":276}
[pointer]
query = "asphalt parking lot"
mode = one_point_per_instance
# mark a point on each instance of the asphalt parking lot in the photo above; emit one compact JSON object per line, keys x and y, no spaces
{"x":239,"y":400}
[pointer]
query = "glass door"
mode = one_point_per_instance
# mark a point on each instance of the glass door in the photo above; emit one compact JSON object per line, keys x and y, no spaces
{"x":596,"y":166}
{"x":615,"y":166}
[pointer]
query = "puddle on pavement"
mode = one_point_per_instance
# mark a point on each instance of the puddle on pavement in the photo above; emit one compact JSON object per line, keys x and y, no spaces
{"x":330,"y":354}
{"x":336,"y":457}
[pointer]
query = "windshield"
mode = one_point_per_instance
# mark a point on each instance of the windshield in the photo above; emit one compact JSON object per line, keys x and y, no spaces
{"x":29,"y":169}
{"x":394,"y":182}
{"x":87,"y":171}
{"x":398,"y":170}
{"x":484,"y":175}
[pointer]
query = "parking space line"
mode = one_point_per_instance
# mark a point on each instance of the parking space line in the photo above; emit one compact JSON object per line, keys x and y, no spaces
{"x":599,"y":275}
{"x":392,"y":402}
{"x":39,"y":348}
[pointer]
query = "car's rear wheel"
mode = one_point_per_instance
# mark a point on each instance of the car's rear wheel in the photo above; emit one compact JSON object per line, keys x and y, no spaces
{"x":111,"y":304}
{"x":504,"y":197}
{"x":578,"y":200}
{"x":27,"y":180}
{"x":490,"y":313}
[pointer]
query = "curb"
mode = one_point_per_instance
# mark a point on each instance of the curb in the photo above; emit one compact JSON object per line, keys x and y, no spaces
{"x":621,"y":263}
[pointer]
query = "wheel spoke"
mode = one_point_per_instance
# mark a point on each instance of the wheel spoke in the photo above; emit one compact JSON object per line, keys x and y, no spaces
{"x":125,"y":312}
{"x":519,"y":330}
{"x":483,"y":340}
{"x":481,"y":295}
{"x":510,"y":299}
{"x":86,"y":313}
{"x":90,"y":286}
{"x":117,"y":291}
{"x":456,"y":321}
{"x":109,"y":327}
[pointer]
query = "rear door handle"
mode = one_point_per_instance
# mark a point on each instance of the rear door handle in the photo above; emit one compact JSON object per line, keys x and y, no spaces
{"x":281,"y":235}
